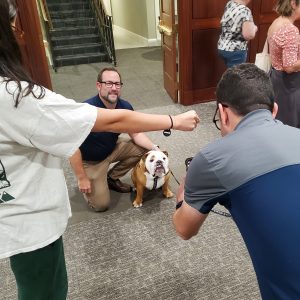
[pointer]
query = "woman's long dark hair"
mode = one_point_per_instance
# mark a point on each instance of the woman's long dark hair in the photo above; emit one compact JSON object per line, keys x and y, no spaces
{"x":11,"y":67}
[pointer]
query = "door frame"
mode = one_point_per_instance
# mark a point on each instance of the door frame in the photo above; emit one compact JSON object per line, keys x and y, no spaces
{"x":32,"y":44}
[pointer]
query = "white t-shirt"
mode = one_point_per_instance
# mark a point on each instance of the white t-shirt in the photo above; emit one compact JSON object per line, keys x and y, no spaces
{"x":34,"y":137}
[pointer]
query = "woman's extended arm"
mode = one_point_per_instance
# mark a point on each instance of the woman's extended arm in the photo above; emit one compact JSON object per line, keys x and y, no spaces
{"x":122,"y":120}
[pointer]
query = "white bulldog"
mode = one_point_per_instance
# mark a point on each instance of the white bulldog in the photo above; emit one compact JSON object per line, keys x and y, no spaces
{"x":151,"y":172}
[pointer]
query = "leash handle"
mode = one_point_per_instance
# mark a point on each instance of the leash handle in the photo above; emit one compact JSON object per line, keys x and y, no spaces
{"x":167,"y":132}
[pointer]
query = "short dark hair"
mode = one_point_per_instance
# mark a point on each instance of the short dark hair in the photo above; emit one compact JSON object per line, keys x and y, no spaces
{"x":99,"y":78}
{"x":245,"y":88}
{"x":284,"y":7}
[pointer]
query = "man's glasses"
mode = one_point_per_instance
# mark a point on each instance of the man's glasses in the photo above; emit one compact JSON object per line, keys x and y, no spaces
{"x":216,"y":118}
{"x":109,"y":84}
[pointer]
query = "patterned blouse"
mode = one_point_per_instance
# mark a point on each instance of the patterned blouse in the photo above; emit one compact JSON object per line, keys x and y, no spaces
{"x":284,"y":46}
{"x":231,"y":38}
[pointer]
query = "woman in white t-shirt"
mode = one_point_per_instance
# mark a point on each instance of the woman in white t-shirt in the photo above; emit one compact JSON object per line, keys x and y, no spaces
{"x":237,"y":28}
{"x":38,"y":129}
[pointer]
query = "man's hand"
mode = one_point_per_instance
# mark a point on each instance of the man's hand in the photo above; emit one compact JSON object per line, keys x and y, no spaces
{"x":84,"y":185}
{"x":186,"y":121}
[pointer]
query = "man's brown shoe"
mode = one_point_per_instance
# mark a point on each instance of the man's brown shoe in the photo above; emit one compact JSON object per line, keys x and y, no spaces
{"x":118,"y":186}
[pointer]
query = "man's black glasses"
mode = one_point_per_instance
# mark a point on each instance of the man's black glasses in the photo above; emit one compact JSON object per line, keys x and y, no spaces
{"x":216,"y":118}
{"x":109,"y":84}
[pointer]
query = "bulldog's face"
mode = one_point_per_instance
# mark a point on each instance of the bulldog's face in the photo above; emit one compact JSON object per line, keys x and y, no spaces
{"x":157,"y":163}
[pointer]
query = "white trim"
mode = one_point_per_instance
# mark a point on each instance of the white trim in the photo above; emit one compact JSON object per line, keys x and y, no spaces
{"x":107,"y":6}
{"x":124,"y":38}
{"x":157,"y":14}
{"x":154,"y":42}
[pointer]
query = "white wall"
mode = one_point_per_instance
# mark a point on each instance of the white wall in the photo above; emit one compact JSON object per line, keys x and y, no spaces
{"x":107,"y":5}
{"x":151,"y":22}
{"x":157,"y":14}
{"x":130,"y":15}
{"x":137,"y":16}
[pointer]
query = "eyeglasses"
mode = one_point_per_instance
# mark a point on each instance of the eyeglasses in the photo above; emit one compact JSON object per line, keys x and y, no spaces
{"x":216,"y":119}
{"x":109,"y":84}
{"x":18,"y":32}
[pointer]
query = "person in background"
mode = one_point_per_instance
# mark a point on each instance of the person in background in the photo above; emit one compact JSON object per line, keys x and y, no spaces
{"x":255,"y":175}
{"x":38,"y":129}
{"x":100,"y":149}
{"x":284,"y":48}
{"x":237,"y":28}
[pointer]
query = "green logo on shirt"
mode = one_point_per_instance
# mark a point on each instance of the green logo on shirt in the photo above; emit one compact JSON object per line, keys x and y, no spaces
{"x":4,"y":183}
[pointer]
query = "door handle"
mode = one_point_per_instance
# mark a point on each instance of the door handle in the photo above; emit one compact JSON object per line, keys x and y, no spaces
{"x":165,"y":30}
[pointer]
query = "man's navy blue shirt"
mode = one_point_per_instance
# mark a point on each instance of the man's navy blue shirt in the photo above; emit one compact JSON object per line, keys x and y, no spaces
{"x":99,"y":145}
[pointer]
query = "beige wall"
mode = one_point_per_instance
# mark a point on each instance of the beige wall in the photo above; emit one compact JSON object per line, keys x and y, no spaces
{"x":107,"y":6}
{"x":151,"y":19}
{"x":137,"y":16}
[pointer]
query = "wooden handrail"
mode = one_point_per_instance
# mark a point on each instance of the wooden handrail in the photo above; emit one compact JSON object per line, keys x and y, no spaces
{"x":45,"y":13}
{"x":47,"y":25}
{"x":105,"y":27}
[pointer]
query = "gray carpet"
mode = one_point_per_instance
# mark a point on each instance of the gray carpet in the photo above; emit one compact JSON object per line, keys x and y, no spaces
{"x":135,"y":254}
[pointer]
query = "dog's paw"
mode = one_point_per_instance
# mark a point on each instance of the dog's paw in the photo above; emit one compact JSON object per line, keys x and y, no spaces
{"x":137,"y":204}
{"x":168,"y":194}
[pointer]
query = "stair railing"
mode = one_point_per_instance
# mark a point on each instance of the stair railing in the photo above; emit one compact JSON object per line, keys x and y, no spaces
{"x":104,"y":22}
{"x":46,"y":18}
{"x":46,"y":14}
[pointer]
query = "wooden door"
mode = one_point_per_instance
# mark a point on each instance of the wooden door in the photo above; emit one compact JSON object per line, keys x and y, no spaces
{"x":167,"y":28}
{"x":31,"y":43}
{"x":263,"y":15}
{"x":200,"y":68}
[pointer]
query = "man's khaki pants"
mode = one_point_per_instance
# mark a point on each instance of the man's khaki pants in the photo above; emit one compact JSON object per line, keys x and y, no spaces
{"x":125,"y":155}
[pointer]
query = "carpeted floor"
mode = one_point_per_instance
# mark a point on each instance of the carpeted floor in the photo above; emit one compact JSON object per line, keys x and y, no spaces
{"x":136,"y":255}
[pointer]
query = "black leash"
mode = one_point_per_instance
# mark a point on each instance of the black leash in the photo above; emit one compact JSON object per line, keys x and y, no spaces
{"x":216,"y":211}
{"x":167,"y":132}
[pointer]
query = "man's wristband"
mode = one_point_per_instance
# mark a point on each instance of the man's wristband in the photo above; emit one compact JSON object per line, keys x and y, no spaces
{"x":155,"y":147}
{"x":178,"y":204}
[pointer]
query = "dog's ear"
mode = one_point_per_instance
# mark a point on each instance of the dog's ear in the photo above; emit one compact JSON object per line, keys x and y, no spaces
{"x":142,"y":161}
{"x":165,"y":152}
{"x":143,"y":158}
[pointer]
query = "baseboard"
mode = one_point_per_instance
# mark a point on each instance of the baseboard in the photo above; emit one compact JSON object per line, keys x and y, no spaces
{"x":131,"y":35}
{"x":154,"y":42}
{"x":135,"y":38}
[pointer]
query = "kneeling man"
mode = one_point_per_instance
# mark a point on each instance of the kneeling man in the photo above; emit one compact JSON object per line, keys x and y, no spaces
{"x":91,"y":163}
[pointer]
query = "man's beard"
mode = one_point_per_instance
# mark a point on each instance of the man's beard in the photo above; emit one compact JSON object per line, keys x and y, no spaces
{"x":109,"y":99}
